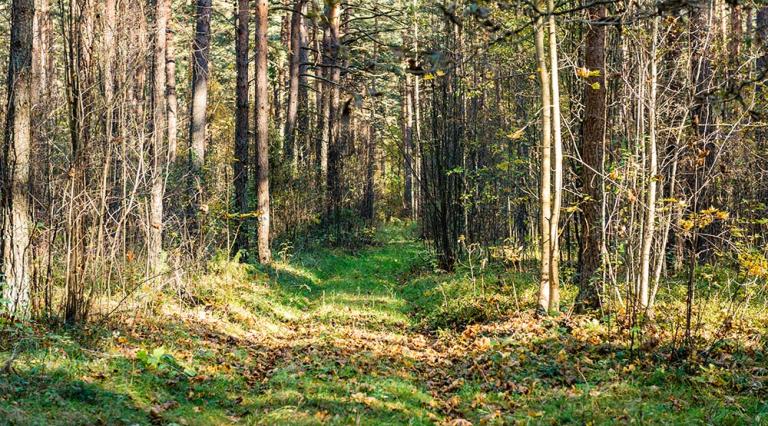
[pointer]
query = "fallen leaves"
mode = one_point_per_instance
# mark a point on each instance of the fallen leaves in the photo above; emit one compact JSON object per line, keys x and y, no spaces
{"x":156,"y":411}
{"x":334,"y":359}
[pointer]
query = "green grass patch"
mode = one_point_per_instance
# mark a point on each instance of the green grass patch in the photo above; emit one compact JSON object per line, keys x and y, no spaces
{"x":371,"y":335}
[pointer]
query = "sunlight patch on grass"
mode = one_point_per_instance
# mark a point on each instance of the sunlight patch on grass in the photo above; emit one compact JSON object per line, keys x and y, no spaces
{"x":358,"y":315}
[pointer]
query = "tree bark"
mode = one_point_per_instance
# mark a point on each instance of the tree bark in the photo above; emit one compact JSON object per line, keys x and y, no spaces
{"x":241,"y":124}
{"x":408,"y":172}
{"x":262,"y":131}
{"x":42,"y":59}
{"x":197,"y":126}
{"x":157,"y":147}
{"x":15,"y":199}
{"x":369,"y":197}
{"x":649,"y":225}
{"x":545,"y":195}
{"x":294,"y":69}
{"x":324,"y":109}
{"x":761,"y":65}
{"x":302,"y":133}
{"x":593,"y":139}
{"x":333,"y":14}
{"x":418,"y":197}
{"x":173,"y":103}
{"x":554,"y":265}
{"x":701,"y":72}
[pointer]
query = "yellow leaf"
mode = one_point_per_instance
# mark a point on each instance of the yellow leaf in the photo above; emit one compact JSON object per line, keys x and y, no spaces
{"x":582,"y":72}
{"x":429,"y":76}
{"x":440,"y":73}
{"x":454,"y":401}
{"x":515,"y":135}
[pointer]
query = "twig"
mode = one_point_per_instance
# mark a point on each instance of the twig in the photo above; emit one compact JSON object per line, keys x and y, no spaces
{"x":8,"y":366}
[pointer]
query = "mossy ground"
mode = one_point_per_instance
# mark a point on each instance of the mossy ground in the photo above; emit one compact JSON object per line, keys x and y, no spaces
{"x":373,"y":337}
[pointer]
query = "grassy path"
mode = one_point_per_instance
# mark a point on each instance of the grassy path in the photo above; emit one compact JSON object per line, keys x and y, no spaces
{"x":353,"y":357}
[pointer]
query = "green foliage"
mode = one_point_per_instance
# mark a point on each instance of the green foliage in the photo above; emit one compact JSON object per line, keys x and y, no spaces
{"x":454,"y":301}
{"x":324,"y":336}
{"x":162,"y":361}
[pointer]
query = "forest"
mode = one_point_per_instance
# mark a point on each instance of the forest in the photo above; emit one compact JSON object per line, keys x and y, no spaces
{"x":383,"y":212}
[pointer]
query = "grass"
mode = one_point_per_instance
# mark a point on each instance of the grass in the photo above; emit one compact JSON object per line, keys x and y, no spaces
{"x":372,"y":337}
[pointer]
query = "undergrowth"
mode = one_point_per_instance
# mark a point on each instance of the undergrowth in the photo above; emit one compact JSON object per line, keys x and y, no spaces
{"x":374,"y":335}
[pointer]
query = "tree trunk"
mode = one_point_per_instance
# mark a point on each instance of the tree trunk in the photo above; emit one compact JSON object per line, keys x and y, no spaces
{"x":554,"y":265}
{"x":15,"y":200}
{"x":277,"y":90}
{"x":545,"y":196}
{"x":369,"y":197}
{"x":294,"y":69}
{"x":761,"y":65}
{"x":241,"y":124}
{"x":302,"y":133}
{"x":157,"y":147}
{"x":173,"y":103}
{"x":324,"y":111}
{"x":332,"y":48}
{"x":418,"y":197}
{"x":42,"y":59}
{"x":649,"y":225}
{"x":701,"y":72}
{"x":262,"y":131}
{"x":408,"y":201}
{"x":197,"y":125}
{"x":593,"y":138}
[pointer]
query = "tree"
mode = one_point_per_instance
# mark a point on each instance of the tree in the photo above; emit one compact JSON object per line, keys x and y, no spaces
{"x":198,"y":123}
{"x":331,"y":51}
{"x":649,"y":226}
{"x":761,"y":65}
{"x":15,"y":200}
{"x":702,"y":148}
{"x":408,"y":163}
{"x":323,"y":103}
{"x":172,"y":101}
{"x":294,"y":71}
{"x":303,"y":120}
{"x":157,"y":145}
{"x":545,"y":194}
{"x":554,"y":275}
{"x":241,"y":123}
{"x":262,"y":131}
{"x":592,"y":148}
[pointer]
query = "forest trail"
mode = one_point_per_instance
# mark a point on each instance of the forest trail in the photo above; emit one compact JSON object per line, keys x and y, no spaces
{"x":329,"y":336}
{"x":354,"y":354}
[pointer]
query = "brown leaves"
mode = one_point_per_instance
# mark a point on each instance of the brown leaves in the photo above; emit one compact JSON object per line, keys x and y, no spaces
{"x":459,"y":422}
{"x":157,"y":410}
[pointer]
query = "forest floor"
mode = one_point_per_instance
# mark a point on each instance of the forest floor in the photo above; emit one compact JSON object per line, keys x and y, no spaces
{"x":332,"y":337}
